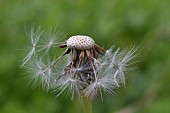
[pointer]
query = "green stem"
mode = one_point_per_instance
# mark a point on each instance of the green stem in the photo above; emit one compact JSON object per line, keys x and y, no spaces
{"x":87,"y":107}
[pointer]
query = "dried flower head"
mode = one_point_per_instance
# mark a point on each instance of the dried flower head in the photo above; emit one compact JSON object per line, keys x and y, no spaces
{"x":84,"y":67}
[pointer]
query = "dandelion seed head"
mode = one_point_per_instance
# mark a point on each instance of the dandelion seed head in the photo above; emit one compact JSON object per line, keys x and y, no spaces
{"x":86,"y":69}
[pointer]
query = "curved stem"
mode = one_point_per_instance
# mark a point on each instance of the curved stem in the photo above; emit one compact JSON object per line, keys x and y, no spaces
{"x":87,"y":107}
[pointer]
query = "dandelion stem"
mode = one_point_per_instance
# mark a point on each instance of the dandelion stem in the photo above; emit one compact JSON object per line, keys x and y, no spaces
{"x":87,"y":107}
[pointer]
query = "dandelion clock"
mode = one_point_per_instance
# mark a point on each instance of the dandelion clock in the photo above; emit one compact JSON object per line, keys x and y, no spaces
{"x":84,"y":68}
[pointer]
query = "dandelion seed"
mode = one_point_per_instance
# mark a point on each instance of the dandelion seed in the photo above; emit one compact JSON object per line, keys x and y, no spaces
{"x":39,"y":74}
{"x":34,"y":38}
{"x":50,"y":41}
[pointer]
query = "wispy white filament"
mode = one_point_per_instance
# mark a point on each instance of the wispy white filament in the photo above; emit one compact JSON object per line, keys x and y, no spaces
{"x":34,"y":38}
{"x":39,"y":74}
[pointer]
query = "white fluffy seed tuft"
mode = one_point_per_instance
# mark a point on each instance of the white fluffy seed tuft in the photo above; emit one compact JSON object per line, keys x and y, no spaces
{"x":80,"y":42}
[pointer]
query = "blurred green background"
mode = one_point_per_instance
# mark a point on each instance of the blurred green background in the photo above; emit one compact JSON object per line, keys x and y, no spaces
{"x":122,"y":23}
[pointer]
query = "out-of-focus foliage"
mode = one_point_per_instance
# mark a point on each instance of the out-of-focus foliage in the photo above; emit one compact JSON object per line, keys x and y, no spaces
{"x":110,"y":22}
